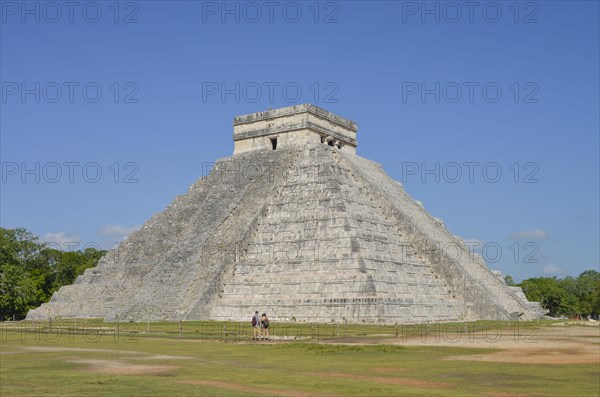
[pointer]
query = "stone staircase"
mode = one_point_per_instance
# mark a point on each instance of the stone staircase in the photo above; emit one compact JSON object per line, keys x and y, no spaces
{"x":323,"y":252}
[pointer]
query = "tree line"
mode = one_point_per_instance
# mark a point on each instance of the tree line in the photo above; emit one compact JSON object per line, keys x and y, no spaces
{"x":569,"y":296}
{"x":31,"y":271}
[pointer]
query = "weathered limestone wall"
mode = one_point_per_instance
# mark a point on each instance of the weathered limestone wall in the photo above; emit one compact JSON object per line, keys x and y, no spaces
{"x":286,"y":140}
{"x":292,"y":126}
{"x":324,"y":252}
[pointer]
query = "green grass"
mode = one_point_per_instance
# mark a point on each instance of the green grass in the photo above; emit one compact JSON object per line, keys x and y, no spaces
{"x":233,"y":331}
{"x":300,"y":368}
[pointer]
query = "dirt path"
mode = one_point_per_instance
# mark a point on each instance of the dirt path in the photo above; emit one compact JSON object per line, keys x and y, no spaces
{"x":403,"y":381}
{"x":546,"y":345}
{"x":253,"y":390}
{"x":118,"y":367}
{"x":142,"y":355}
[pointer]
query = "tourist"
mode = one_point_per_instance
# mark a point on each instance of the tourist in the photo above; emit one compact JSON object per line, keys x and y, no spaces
{"x":264,"y":323}
{"x":255,"y":326}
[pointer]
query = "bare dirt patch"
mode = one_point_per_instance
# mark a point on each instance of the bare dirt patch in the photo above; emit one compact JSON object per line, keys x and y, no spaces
{"x":387,"y":380}
{"x":534,"y":356}
{"x":531,"y":345}
{"x":6,"y":353}
{"x":549,"y":345}
{"x":113,"y":367}
{"x":504,"y":394}
{"x":117,"y":367}
{"x":255,"y":390}
{"x":388,"y":369}
{"x":139,"y":355}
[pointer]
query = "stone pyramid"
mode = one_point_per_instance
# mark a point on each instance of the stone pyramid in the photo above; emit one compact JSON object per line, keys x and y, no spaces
{"x":297,"y":225}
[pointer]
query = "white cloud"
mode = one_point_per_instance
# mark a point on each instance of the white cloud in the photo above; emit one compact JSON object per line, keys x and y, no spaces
{"x":62,"y":241}
{"x":535,"y":234}
{"x":117,"y":232}
{"x":552,"y":270}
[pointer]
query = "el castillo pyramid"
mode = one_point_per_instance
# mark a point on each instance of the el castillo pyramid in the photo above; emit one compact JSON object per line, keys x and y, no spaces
{"x":297,"y":225}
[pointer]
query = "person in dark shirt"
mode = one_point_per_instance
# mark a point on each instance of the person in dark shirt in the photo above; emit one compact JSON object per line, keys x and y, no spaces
{"x":264,"y":323}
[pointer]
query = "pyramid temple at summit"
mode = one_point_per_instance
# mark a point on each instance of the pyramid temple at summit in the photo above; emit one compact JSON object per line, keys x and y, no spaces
{"x":297,"y":225}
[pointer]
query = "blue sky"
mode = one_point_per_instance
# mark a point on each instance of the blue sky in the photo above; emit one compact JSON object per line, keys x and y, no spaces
{"x":446,"y":98}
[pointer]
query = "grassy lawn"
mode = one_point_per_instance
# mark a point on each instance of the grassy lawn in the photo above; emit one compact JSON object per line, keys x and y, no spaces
{"x":159,"y":363}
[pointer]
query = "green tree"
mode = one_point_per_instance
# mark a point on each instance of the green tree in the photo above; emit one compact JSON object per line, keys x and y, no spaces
{"x":31,"y":271}
{"x":18,"y":293}
{"x":22,"y":272}
{"x":587,"y":291}
{"x":548,"y":292}
{"x":568,"y":296}
{"x":72,"y":264}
